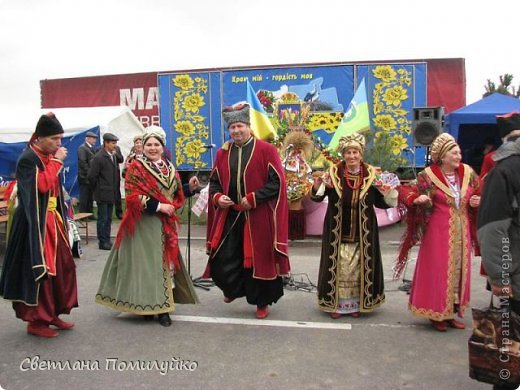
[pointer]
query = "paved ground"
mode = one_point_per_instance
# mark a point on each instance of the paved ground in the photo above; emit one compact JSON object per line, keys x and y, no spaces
{"x":218,"y":346}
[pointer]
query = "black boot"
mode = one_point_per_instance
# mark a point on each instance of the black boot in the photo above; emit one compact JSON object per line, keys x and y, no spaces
{"x":164,"y":319}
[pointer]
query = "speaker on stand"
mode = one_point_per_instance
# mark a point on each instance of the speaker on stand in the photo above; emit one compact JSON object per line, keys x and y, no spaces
{"x":427,"y":124}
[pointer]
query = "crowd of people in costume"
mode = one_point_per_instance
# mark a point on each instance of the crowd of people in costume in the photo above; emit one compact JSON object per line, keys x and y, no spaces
{"x":247,"y":228}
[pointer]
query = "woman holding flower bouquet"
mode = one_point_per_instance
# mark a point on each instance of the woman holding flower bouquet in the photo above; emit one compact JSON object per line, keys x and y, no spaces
{"x":350,"y":277}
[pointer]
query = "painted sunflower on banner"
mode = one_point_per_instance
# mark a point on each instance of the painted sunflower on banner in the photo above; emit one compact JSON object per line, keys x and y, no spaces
{"x":391,"y":126}
{"x":189,"y":123}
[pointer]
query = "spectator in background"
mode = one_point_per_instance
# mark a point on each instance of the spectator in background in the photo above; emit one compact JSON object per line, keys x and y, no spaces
{"x":118,"y":205}
{"x":86,"y":153}
{"x":39,"y":274}
{"x":135,"y":152}
{"x":487,"y":161}
{"x":499,"y":230}
{"x":104,"y":176}
{"x":499,"y":217}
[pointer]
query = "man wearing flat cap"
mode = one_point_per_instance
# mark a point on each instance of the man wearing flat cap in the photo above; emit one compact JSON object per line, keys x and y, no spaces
{"x":247,"y":217}
{"x":499,"y":215}
{"x":104,"y":177}
{"x":39,"y":274}
{"x":86,"y":153}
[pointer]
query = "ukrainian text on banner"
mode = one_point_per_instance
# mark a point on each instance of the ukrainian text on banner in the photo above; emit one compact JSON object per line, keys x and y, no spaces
{"x":327,"y":89}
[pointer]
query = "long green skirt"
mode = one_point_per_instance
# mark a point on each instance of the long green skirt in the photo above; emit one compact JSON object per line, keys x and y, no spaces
{"x":136,"y":279}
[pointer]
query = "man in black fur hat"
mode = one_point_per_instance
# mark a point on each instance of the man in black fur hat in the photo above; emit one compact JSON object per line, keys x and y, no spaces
{"x":39,"y":274}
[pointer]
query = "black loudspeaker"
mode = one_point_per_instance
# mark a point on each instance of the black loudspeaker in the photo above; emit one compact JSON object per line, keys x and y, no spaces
{"x":427,"y":124}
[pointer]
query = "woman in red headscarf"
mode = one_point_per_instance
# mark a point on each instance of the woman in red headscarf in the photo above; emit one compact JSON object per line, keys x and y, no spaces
{"x":144,"y":271}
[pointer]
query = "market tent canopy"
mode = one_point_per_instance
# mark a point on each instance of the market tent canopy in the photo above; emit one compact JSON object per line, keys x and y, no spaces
{"x":16,"y":130}
{"x":482,"y":112}
{"x":119,"y":120}
{"x":475,"y":125}
{"x":11,"y":151}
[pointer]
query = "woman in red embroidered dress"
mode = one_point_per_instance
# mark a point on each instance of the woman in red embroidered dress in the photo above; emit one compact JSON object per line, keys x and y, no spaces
{"x":442,"y":207}
{"x":138,"y":273}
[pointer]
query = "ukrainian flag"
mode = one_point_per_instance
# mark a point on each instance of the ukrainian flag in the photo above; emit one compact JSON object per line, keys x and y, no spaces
{"x":356,"y":118}
{"x":260,"y":124}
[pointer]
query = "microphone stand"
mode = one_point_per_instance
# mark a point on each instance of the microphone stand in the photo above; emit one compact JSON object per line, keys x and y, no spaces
{"x":200,"y":282}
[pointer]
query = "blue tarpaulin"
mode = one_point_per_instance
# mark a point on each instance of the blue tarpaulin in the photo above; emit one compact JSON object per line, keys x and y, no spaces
{"x":482,"y":112}
{"x":11,"y":151}
{"x":474,"y":125}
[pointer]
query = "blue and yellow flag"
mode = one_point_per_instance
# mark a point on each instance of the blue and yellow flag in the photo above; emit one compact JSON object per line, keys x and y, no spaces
{"x":356,"y":118}
{"x":260,"y":123}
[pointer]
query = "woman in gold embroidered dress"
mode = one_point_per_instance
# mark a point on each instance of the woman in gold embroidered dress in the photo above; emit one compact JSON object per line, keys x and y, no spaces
{"x":350,"y":278}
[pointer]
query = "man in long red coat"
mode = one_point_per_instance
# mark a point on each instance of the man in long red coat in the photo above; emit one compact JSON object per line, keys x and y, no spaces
{"x":247,"y":217}
{"x":39,"y":273}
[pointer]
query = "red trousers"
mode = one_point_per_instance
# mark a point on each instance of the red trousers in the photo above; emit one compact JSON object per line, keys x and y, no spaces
{"x":57,"y":294}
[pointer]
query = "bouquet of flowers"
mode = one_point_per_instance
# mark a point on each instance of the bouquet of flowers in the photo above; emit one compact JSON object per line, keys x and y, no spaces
{"x":266,"y":99}
{"x":386,"y":181}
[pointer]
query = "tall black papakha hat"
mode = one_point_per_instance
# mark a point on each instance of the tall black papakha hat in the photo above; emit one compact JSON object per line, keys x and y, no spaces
{"x":507,"y":123}
{"x":48,"y":125}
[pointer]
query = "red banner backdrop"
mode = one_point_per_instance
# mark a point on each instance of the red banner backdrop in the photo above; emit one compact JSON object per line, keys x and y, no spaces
{"x":446,"y":87}
{"x":446,"y":83}
{"x":137,"y":91}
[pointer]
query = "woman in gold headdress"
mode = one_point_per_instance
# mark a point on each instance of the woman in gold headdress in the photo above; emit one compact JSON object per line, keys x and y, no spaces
{"x":350,"y":278}
{"x":444,"y":206}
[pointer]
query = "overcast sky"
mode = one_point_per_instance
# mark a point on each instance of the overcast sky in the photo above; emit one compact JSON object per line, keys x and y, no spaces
{"x":42,"y":39}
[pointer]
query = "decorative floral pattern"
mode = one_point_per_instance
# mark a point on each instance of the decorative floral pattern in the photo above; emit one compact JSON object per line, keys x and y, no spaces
{"x":189,"y":123}
{"x":391,"y":124}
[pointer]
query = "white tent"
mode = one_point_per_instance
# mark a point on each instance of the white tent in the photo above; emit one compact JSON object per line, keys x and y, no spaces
{"x":119,"y":120}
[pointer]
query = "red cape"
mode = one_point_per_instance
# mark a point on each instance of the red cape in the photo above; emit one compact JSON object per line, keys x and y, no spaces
{"x":270,"y":254}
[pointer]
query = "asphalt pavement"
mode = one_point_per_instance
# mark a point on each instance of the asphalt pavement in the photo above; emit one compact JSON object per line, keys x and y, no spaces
{"x":214,"y":345}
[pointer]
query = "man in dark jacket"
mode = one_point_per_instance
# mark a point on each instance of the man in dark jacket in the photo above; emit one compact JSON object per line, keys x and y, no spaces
{"x":104,"y":177}
{"x":499,"y":228}
{"x":499,"y":215}
{"x":86,"y":153}
{"x":118,"y":203}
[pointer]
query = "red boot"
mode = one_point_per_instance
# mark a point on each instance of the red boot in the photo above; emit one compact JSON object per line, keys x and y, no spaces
{"x":456,"y":324}
{"x":262,"y":312}
{"x":440,"y":326}
{"x":40,"y":329}
{"x":335,"y":316}
{"x":60,"y":324}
